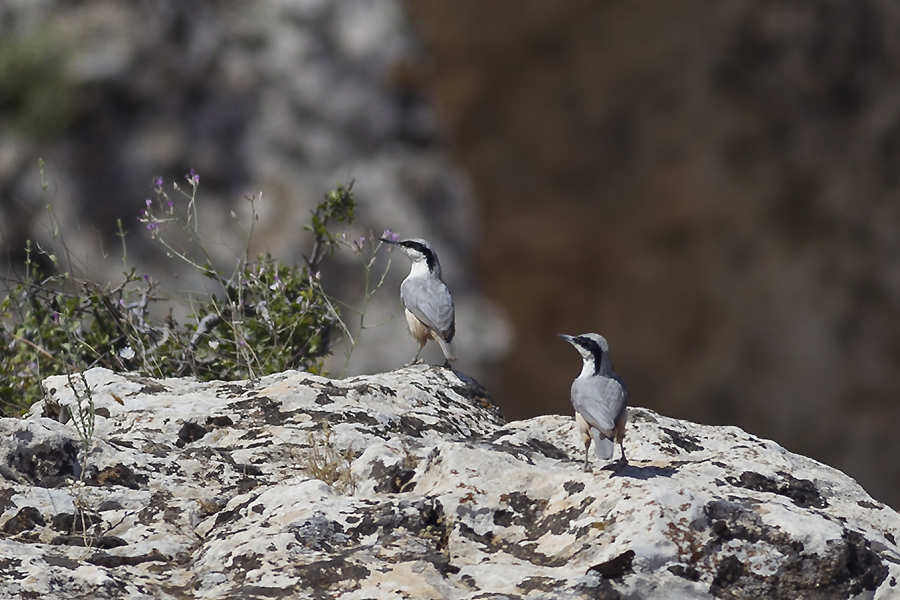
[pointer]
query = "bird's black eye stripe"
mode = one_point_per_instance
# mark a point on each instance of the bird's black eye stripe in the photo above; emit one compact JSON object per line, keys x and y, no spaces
{"x":419,"y":247}
{"x":594,"y":348}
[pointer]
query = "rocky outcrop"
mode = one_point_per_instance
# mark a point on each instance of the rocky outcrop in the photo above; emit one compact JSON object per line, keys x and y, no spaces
{"x":410,"y":484}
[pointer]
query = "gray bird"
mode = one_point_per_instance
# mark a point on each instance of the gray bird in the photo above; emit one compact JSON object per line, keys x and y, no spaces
{"x":429,"y":307}
{"x":600,"y":398}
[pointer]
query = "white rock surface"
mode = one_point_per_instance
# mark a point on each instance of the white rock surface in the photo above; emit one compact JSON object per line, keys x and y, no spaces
{"x":206,"y":490}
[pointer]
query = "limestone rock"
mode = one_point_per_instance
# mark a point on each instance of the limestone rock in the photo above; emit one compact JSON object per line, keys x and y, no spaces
{"x":410,"y":484}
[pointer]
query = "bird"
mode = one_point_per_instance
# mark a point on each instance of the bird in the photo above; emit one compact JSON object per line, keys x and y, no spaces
{"x":600,"y":398}
{"x":429,"y":306}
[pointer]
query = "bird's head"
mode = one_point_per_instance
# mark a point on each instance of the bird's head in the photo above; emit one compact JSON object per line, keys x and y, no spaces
{"x":419,"y":252}
{"x":592,"y":348}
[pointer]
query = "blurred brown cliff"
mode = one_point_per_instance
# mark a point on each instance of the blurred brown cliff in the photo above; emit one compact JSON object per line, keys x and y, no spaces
{"x":712,"y":186}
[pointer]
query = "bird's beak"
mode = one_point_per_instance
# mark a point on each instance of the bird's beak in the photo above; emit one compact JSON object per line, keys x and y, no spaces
{"x":568,"y":338}
{"x":387,"y":241}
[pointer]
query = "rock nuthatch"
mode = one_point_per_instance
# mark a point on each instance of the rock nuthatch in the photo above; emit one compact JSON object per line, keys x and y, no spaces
{"x":600,"y":398}
{"x":429,"y":307}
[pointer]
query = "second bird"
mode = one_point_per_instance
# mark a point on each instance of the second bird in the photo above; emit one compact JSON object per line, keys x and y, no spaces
{"x":599,"y":396}
{"x":429,"y":307}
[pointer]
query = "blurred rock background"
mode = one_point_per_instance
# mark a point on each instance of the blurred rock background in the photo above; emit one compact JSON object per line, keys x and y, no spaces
{"x":287,"y":98}
{"x":712,"y":187}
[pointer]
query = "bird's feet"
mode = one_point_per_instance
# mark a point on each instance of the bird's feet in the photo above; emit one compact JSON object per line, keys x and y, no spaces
{"x":587,"y":459}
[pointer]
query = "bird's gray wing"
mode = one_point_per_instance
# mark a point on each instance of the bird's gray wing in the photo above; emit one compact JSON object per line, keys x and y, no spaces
{"x":600,"y":400}
{"x":429,"y":300}
{"x":622,"y":414}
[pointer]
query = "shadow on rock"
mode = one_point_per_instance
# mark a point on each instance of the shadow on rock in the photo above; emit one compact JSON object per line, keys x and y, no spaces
{"x":635,"y":472}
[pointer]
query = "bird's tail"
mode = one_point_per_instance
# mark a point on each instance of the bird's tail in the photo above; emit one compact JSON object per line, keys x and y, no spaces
{"x":446,"y":348}
{"x":603,"y":445}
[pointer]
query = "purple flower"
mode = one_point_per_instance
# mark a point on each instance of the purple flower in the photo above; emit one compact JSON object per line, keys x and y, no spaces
{"x":149,"y":202}
{"x":192,"y":178}
{"x":158,"y":182}
{"x":390,"y":235}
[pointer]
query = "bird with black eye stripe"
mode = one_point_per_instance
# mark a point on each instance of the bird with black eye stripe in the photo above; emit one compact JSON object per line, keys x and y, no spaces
{"x":600,"y":398}
{"x":429,"y":306}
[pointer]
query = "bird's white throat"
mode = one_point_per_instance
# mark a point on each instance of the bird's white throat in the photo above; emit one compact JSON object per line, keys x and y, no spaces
{"x":588,"y":368}
{"x":419,"y":268}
